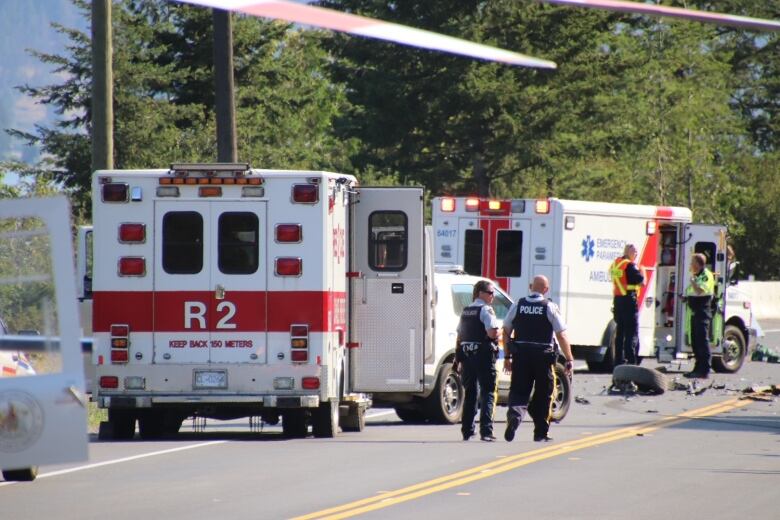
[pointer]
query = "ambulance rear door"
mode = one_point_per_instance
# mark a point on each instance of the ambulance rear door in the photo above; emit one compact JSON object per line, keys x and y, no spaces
{"x":387,"y":308}
{"x":43,"y":414}
{"x":497,"y":248}
{"x":710,"y":240}
{"x":210,"y":278}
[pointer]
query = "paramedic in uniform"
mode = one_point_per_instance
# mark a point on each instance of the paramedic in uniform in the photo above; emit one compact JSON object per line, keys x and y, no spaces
{"x":530,"y":355}
{"x":626,"y":281}
{"x":698,"y":296}
{"x":475,"y":359}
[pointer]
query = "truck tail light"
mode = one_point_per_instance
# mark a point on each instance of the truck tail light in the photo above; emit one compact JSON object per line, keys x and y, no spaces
{"x":447,"y":204}
{"x":289,"y":233}
{"x":132,"y":266}
{"x":543,"y":206}
{"x":132,"y":233}
{"x":288,"y":266}
{"x":310,"y":383}
{"x":109,"y":382}
{"x":472,"y":204}
{"x":306,"y":193}
{"x":299,"y":343}
{"x":114,"y":192}
{"x":120,"y":335}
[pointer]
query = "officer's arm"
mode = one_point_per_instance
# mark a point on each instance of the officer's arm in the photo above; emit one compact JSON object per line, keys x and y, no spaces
{"x":563,"y":341}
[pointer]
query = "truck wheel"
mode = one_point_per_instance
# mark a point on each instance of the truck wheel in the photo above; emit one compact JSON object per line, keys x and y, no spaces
{"x":410,"y":415}
{"x":294,"y":424}
{"x":120,"y":426}
{"x":445,"y":404}
{"x":645,"y":379}
{"x":325,"y":421}
{"x":561,"y":395}
{"x":21,"y":475}
{"x":734,"y":351}
{"x":355,"y":420}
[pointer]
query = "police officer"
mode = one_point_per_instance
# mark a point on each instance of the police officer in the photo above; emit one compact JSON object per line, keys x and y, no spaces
{"x":698,"y":296}
{"x":475,"y":359}
{"x":530,"y":356}
{"x":626,"y":281}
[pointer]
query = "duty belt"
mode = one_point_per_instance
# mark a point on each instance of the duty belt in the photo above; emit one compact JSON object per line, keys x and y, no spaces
{"x":533,"y":344}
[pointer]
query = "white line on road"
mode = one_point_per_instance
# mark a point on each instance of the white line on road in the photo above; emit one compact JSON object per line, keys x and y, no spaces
{"x":124,"y":459}
{"x":771,"y":330}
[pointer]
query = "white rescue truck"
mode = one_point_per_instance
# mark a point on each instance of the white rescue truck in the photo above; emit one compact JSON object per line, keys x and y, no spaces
{"x":219,"y":291}
{"x":573,"y":243}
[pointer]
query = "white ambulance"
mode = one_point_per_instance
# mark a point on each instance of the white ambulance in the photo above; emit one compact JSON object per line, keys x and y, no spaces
{"x":219,"y":291}
{"x":573,"y":243}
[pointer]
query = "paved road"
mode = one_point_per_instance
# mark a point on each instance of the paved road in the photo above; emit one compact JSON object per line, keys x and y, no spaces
{"x":677,"y":455}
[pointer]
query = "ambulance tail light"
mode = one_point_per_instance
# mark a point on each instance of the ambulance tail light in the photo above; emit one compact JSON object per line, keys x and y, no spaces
{"x":120,"y":335}
{"x":288,"y":266}
{"x":472,"y":204}
{"x":108,"y":382}
{"x":447,"y":204}
{"x":132,"y":233}
{"x":306,"y":193}
{"x":289,"y":233}
{"x":132,"y":266}
{"x":310,"y":383}
{"x":114,"y":192}
{"x":543,"y":206}
{"x":299,"y":343}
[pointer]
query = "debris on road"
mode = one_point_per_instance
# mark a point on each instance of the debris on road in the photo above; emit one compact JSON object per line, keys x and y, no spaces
{"x":580,"y":399}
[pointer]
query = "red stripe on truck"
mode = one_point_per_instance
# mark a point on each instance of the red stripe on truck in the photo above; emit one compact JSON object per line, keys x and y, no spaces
{"x":239,"y":311}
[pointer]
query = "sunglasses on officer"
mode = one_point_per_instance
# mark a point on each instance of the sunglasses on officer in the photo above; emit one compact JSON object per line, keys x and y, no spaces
{"x":489,"y":292}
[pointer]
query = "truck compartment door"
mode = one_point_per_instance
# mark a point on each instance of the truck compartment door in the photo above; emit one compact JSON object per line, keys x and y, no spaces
{"x":710,"y":240}
{"x":387,"y":309}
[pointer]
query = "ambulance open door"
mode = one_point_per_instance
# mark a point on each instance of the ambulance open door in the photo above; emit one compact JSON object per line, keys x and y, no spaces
{"x":710,"y":240}
{"x":43,"y":416}
{"x":387,"y":280}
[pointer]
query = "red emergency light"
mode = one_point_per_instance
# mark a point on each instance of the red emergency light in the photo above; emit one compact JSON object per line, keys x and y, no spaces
{"x":310,"y":383}
{"x":288,"y":266}
{"x":132,"y":266}
{"x":132,"y":233}
{"x":305,"y":193}
{"x":543,"y":206}
{"x":109,"y":382}
{"x":472,"y":204}
{"x":114,"y":192}
{"x":289,"y":233}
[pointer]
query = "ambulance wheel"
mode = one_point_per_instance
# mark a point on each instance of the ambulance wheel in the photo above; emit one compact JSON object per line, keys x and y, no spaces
{"x":355,"y":420}
{"x":445,"y":404}
{"x":151,"y":425}
{"x":410,"y":415}
{"x":561,"y":395}
{"x":21,"y":475}
{"x":646,"y":379}
{"x":120,"y":425}
{"x":294,"y":424}
{"x":734,"y":351}
{"x":325,"y":420}
{"x":607,"y":363}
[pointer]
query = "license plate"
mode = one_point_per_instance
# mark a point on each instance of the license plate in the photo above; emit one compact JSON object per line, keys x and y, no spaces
{"x":210,"y":379}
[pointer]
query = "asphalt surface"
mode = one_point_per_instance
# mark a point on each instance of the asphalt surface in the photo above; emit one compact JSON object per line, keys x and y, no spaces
{"x":696,"y":452}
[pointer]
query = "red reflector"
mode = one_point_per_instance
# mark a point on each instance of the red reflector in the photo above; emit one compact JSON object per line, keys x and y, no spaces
{"x":306,"y":193}
{"x":119,"y":356}
{"x":300,"y":356}
{"x":299,"y":331}
{"x":114,"y":192}
{"x":287,"y":266}
{"x":132,"y":233}
{"x":310,"y":383}
{"x":132,"y":266}
{"x":288,"y":233}
{"x":109,"y":382}
{"x":120,"y":330}
{"x":448,"y":204}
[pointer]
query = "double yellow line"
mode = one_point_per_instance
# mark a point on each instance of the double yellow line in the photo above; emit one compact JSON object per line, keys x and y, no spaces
{"x":512,"y":462}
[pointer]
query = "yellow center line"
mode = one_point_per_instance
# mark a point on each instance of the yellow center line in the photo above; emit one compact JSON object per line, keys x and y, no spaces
{"x":512,"y":462}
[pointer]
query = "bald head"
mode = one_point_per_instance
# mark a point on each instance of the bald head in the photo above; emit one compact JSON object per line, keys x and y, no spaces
{"x":540,"y":284}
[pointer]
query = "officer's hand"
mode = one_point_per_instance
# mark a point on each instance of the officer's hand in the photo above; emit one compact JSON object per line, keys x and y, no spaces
{"x":568,"y":369}
{"x":507,"y":365}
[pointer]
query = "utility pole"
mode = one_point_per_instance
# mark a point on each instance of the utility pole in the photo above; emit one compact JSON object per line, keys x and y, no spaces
{"x":227,"y":149}
{"x":102,"y":87}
